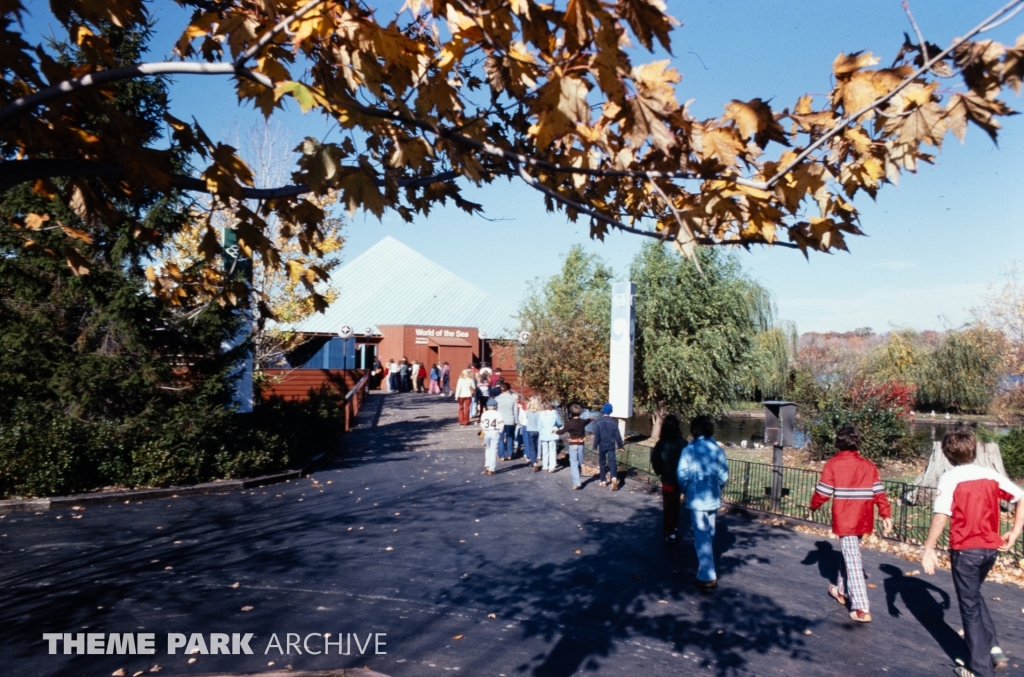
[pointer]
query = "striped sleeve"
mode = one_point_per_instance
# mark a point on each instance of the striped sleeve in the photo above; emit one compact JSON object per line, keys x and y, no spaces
{"x":824,"y":489}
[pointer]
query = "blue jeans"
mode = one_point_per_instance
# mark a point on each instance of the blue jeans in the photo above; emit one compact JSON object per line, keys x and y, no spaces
{"x":507,"y":444}
{"x":703,"y":537}
{"x":531,"y":443}
{"x":609,"y":454}
{"x":575,"y":460}
{"x":970,"y":567}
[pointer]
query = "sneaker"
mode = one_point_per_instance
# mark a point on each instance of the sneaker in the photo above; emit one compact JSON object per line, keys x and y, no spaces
{"x":860,"y":616}
{"x":576,"y":487}
{"x":707,"y":585}
{"x":536,"y":468}
{"x":602,"y":483}
{"x":488,"y":472}
{"x":961,"y":671}
{"x":999,"y":659}
{"x":834,"y":593}
{"x":615,"y":484}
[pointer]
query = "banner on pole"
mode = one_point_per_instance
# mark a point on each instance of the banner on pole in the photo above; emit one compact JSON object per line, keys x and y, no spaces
{"x":620,"y":363}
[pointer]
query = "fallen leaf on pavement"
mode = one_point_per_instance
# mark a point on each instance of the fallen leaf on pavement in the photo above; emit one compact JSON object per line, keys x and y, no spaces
{"x":915,"y":572}
{"x":496,"y":615}
{"x":808,"y":632}
{"x":661,"y":601}
{"x":389,"y":548}
{"x":118,"y":673}
{"x":234,"y":585}
{"x":137,"y":674}
{"x":247,"y":608}
{"x":155,"y":668}
{"x":458,"y":636}
{"x":872,"y":586}
{"x":579,"y":552}
{"x":191,"y":661}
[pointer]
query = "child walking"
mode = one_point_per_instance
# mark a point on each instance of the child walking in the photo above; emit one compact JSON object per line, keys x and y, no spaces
{"x":548,"y":423}
{"x":492,"y":424}
{"x":855,"y":487}
{"x":576,"y":428}
{"x":702,"y":472}
{"x":968,"y":500}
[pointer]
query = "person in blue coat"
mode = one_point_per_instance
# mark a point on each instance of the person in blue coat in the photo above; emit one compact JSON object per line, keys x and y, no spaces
{"x":702,"y":472}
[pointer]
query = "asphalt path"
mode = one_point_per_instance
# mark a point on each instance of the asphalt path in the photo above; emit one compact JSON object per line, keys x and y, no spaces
{"x":458,"y":573}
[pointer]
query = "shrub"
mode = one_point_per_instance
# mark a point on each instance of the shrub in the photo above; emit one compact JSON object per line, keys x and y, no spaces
{"x":881,"y":411}
{"x":46,"y":452}
{"x":1011,"y":448}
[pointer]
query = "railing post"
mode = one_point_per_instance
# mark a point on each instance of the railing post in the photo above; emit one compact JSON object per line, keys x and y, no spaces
{"x":777,"y":479}
{"x":903,"y":512}
{"x":746,"y":482}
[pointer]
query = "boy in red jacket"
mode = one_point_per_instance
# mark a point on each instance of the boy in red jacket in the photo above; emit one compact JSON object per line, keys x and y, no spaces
{"x":970,"y":495}
{"x":853,"y":484}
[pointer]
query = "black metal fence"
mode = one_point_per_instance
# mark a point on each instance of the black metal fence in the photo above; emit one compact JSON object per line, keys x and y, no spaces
{"x":750,"y":486}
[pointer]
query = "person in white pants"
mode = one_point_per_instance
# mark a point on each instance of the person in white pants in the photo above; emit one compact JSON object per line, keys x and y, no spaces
{"x":548,"y":423}
{"x":492,"y":424}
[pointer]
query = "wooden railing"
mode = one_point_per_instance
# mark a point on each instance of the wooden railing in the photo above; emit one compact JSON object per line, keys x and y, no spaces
{"x":354,"y":400}
{"x":295,"y":384}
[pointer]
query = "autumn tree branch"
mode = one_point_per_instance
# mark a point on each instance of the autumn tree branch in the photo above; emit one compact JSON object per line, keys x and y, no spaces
{"x":619,"y":225}
{"x":844,"y":122}
{"x":20,"y":171}
{"x":273,"y":32}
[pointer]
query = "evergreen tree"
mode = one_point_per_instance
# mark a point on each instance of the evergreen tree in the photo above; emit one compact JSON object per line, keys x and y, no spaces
{"x":99,"y":382}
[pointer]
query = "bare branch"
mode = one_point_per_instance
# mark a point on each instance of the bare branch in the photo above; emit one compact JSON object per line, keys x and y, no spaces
{"x":25,"y":103}
{"x":19,"y":171}
{"x":1003,"y":20}
{"x":917,"y":29}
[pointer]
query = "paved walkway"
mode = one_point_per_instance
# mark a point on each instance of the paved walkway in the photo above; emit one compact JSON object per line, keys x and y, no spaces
{"x":466,"y":574}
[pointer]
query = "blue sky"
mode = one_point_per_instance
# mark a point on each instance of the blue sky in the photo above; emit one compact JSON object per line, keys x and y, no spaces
{"x":933,"y":243}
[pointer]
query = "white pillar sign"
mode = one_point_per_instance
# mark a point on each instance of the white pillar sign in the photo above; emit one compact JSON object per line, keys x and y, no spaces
{"x":620,"y":362}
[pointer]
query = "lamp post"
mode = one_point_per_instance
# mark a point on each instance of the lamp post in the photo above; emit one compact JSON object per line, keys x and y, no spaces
{"x":482,"y":336}
{"x":345,"y":333}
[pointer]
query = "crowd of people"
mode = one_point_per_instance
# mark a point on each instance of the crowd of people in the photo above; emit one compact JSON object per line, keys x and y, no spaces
{"x":403,"y":376}
{"x":967,"y":499}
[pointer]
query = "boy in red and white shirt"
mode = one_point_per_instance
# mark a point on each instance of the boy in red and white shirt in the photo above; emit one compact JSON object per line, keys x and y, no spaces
{"x":968,"y":500}
{"x":855,"y":487}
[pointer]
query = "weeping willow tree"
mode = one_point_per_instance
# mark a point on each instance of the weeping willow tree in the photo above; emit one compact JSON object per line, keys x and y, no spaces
{"x":769,"y":372}
{"x":705,"y":334}
{"x":963,"y":372}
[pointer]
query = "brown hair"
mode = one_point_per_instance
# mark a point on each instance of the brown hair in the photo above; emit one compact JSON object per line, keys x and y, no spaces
{"x":848,"y":438}
{"x":959,"y":446}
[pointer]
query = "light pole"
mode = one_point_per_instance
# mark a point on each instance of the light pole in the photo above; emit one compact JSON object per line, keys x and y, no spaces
{"x":482,"y":336}
{"x":345,"y":333}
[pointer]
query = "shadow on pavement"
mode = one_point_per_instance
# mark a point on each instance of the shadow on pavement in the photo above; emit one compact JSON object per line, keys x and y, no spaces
{"x":919,"y":597}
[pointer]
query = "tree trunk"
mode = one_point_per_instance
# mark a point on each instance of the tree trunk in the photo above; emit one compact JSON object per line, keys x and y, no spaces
{"x":658,"y":415}
{"x":988,"y":456}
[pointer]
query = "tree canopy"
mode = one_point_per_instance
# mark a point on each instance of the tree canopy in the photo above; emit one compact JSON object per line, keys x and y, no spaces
{"x":481,"y":89}
{"x":566,"y":356}
{"x":697,"y":328}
